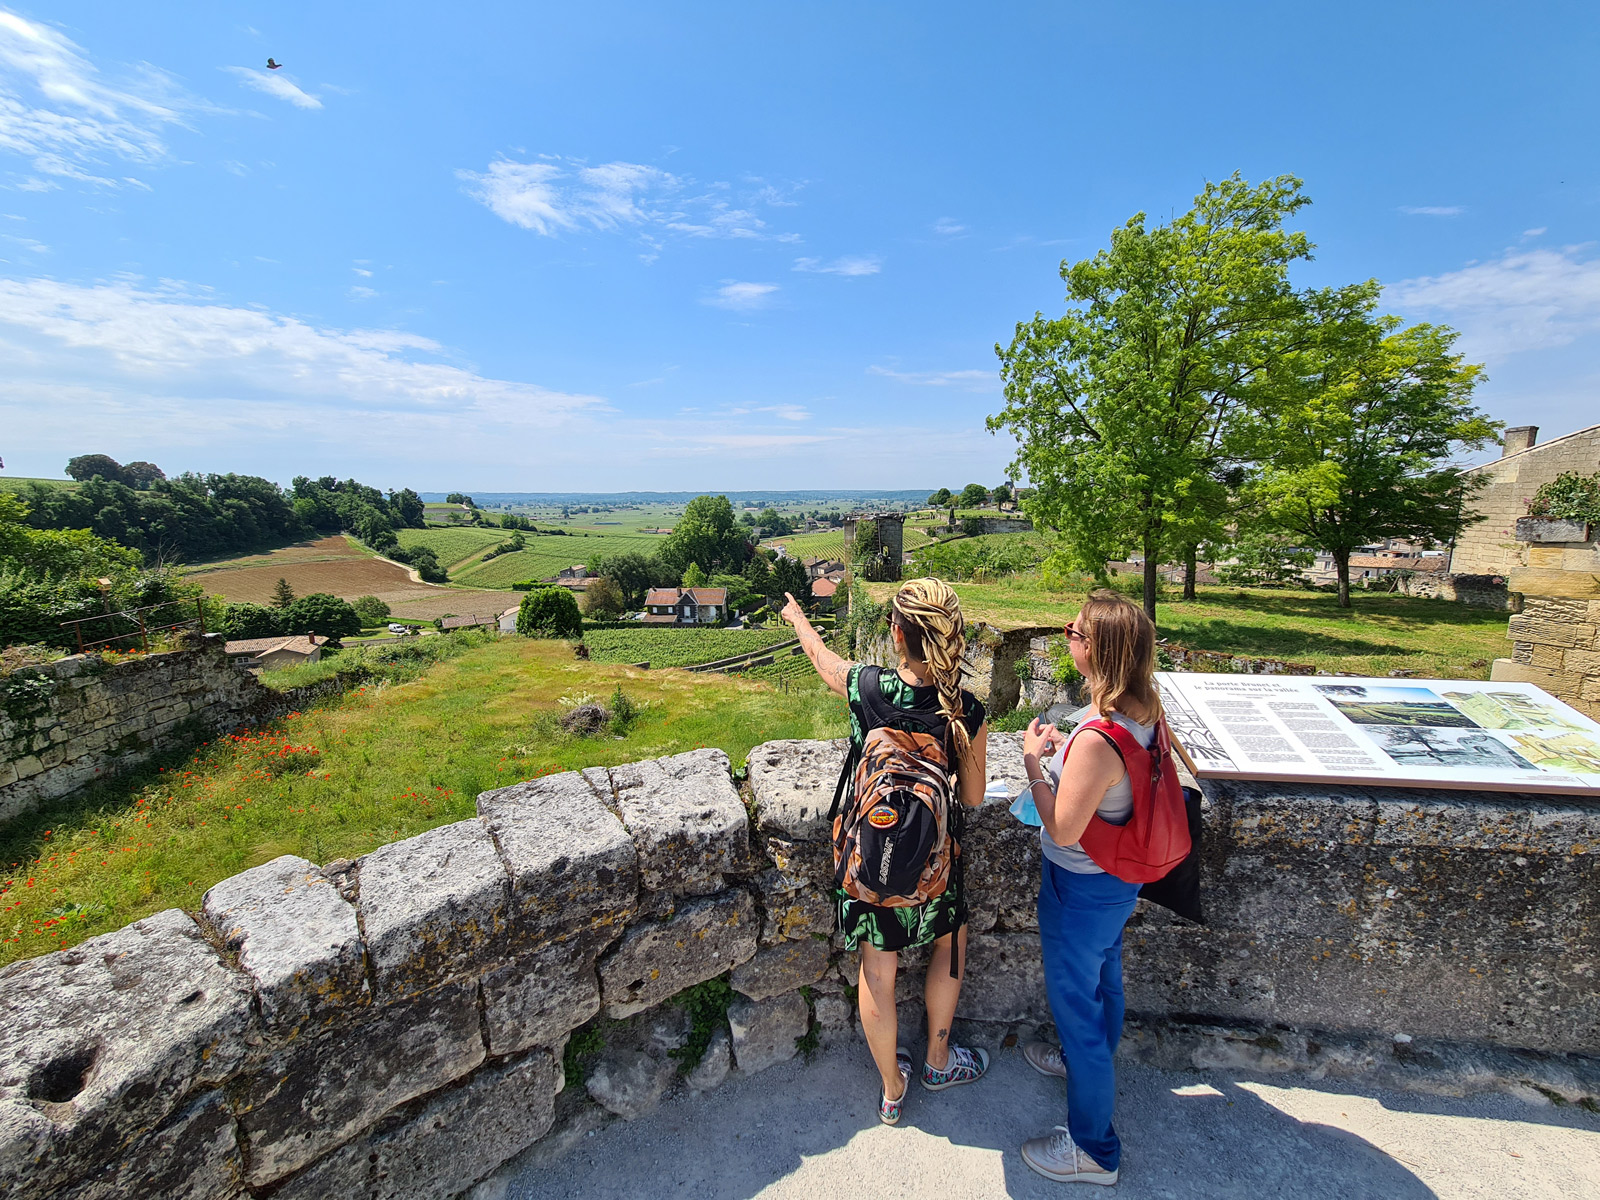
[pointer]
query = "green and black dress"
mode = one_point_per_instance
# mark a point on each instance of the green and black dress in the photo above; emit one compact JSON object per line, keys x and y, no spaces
{"x":877,"y":925}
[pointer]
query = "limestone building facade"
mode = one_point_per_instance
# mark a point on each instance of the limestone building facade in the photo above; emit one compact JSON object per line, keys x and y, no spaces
{"x":1489,"y":546}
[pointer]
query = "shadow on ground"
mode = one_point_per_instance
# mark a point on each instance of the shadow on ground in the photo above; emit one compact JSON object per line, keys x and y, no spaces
{"x":808,"y":1131}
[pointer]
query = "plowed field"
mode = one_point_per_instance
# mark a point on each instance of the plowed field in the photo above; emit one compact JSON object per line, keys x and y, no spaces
{"x":335,"y":565}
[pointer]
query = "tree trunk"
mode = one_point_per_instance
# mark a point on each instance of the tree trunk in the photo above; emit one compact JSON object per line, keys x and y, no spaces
{"x":1150,"y":576}
{"x":1341,"y":564}
{"x":1190,"y":566}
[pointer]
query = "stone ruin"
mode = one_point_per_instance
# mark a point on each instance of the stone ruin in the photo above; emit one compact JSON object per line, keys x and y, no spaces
{"x":396,"y":1026}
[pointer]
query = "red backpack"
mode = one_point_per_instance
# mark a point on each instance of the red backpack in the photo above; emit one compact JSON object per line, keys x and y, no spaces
{"x":1156,"y":838}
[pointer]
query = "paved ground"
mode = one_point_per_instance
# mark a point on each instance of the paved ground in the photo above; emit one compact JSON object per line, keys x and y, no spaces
{"x":799,"y":1131}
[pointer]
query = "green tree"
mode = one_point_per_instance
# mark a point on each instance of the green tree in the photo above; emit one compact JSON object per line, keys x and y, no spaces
{"x":549,"y":612}
{"x":706,"y":534}
{"x":635,"y":574}
{"x":371,"y":610}
{"x":940,"y":499}
{"x":242,"y":621}
{"x":1357,"y":446}
{"x":142,"y":474}
{"x":1002,"y":494}
{"x":322,"y":614}
{"x":603,"y":600}
{"x":789,"y":575}
{"x":282,"y":594}
{"x":86,"y":466}
{"x":974,"y":495}
{"x":1127,"y":400}
{"x":693,"y":576}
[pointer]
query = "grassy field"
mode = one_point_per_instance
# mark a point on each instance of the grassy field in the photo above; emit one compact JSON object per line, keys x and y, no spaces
{"x":17,"y":483}
{"x":339,"y":566}
{"x":1435,"y":638}
{"x":547,"y":555}
{"x":452,"y":546}
{"x":678,"y":647}
{"x":379,"y":765}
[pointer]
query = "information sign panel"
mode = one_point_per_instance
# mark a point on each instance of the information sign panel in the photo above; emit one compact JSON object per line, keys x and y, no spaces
{"x":1445,"y":733}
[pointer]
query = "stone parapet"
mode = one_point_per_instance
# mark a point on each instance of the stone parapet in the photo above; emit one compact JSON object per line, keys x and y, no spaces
{"x":402,"y":1025}
{"x":1555,"y":639}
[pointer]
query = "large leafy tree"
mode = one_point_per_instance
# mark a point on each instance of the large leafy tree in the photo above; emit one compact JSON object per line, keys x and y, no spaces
{"x":1124,"y":407}
{"x":1356,"y":446}
{"x":707,"y":534}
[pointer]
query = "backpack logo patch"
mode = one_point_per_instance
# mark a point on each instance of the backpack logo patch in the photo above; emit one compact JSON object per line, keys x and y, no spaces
{"x":882,"y":817}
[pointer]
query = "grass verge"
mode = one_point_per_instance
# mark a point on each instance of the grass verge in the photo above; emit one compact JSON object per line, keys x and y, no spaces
{"x":399,"y":755}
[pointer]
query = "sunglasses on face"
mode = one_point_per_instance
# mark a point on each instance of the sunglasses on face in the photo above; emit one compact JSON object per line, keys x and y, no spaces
{"x":1072,"y":632}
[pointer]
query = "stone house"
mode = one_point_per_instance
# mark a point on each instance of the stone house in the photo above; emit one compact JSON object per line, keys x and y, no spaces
{"x":1489,"y":546}
{"x":686,"y":606}
{"x":272,"y":653}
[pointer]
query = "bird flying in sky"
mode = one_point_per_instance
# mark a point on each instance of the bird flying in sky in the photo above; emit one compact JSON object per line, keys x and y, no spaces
{"x":273,"y":64}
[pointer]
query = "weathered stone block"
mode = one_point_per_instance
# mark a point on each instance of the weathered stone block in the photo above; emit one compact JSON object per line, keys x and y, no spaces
{"x":195,"y":1156}
{"x":101,"y":1043}
{"x":442,"y":1146}
{"x":1541,"y":630}
{"x":574,"y":869}
{"x":792,"y":913}
{"x":688,"y":824}
{"x":1551,"y":529}
{"x":765,"y":1031}
{"x":835,"y":1018}
{"x":701,"y":941}
{"x":1003,"y":979}
{"x":782,"y":968}
{"x":1000,"y":861}
{"x":317,"y":1094}
{"x":1557,"y":683}
{"x":714,"y":1064}
{"x":793,"y":784}
{"x":630,"y":1083}
{"x":296,"y":938}
{"x":540,"y":998}
{"x":433,"y":907}
{"x":1582,"y":662}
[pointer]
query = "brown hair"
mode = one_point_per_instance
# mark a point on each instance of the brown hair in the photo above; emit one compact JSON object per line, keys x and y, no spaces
{"x":1122,"y":655}
{"x":928,"y":613}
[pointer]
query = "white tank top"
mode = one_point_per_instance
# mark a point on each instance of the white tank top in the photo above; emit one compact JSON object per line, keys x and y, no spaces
{"x":1115,"y":807}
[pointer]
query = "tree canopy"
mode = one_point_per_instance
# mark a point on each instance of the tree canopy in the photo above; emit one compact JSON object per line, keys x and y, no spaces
{"x":707,"y":534}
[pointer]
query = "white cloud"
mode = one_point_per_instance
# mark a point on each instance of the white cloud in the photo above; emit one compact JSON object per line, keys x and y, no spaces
{"x":1524,"y":300}
{"x":742,"y":297}
{"x":556,"y":195}
{"x":1534,"y":232}
{"x":57,"y":113}
{"x":849,"y":266}
{"x":948,"y":227}
{"x":1432,"y":210}
{"x":275,"y":84}
{"x":977,"y":381}
{"x":357,"y":292}
{"x":363,"y":272}
{"x":238,"y":367}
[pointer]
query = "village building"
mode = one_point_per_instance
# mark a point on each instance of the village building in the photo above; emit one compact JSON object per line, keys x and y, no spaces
{"x":686,"y":606}
{"x":470,"y":621}
{"x":1489,"y":545}
{"x":273,"y":653}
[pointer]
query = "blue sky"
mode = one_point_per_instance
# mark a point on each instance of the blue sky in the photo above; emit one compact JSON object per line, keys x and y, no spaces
{"x":615,"y":246}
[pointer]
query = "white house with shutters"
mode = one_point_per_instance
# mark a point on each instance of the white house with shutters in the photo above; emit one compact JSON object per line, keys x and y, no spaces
{"x":686,"y":606}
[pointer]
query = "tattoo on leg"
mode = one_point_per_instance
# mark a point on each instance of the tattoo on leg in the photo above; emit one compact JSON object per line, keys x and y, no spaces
{"x":943,"y":1033}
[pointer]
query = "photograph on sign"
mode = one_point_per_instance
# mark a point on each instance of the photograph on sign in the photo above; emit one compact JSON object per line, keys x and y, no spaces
{"x":1446,"y":733}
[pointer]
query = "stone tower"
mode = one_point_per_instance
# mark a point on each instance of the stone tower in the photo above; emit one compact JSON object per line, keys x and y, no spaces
{"x":886,"y":534}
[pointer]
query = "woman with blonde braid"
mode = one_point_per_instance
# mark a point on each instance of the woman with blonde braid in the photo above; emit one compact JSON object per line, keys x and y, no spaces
{"x":929,"y":639}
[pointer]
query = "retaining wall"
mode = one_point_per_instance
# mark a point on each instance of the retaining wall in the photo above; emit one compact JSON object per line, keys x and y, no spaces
{"x":67,"y":723}
{"x":395,"y":1026}
{"x":1475,"y":591}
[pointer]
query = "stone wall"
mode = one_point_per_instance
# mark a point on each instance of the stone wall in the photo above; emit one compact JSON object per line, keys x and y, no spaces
{"x":1475,"y":591}
{"x":1489,"y":546}
{"x":396,"y":1026}
{"x":67,"y":723}
{"x":1555,"y":639}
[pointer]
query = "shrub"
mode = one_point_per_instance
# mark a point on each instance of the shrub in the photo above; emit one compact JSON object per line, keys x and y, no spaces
{"x":1568,"y":497}
{"x":603,"y":599}
{"x":371,"y":610}
{"x":252,"y":621}
{"x":1263,"y":562}
{"x":549,"y":612}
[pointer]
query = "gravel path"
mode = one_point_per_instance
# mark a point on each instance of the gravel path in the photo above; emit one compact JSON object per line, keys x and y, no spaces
{"x":804,"y":1132}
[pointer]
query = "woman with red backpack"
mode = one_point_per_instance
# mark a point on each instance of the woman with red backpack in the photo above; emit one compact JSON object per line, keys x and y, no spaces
{"x":917,"y":759}
{"x":1113,"y":819}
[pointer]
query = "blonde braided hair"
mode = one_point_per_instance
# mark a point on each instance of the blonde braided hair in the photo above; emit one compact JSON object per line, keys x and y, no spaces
{"x":929,"y":614}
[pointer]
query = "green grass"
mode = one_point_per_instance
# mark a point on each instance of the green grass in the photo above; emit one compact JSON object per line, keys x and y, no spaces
{"x":380,"y":764}
{"x":546,"y":555}
{"x":1437,"y":639}
{"x":18,"y":483}
{"x":825,"y":543}
{"x":452,"y":546}
{"x":678,"y":647}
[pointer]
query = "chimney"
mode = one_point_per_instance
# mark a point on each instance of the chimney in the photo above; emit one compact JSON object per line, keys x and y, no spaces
{"x":1519,"y":438}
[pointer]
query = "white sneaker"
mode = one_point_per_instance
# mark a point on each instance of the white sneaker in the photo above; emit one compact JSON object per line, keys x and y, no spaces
{"x":1045,"y":1059}
{"x":1056,"y":1156}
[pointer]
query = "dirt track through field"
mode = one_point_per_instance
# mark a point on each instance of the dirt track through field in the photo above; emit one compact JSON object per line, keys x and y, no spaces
{"x":336,"y":566}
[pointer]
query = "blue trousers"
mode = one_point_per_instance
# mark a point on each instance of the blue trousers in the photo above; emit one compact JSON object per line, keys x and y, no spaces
{"x":1080,"y":931}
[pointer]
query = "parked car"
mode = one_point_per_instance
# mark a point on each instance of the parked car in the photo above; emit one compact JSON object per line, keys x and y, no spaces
{"x":396,"y":627}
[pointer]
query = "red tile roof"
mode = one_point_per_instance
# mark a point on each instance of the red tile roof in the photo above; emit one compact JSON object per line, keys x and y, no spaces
{"x":823,"y":588}
{"x":300,"y":644}
{"x":661,"y":596}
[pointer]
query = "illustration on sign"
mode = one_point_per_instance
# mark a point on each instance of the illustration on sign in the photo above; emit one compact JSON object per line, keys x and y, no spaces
{"x":1449,"y":733}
